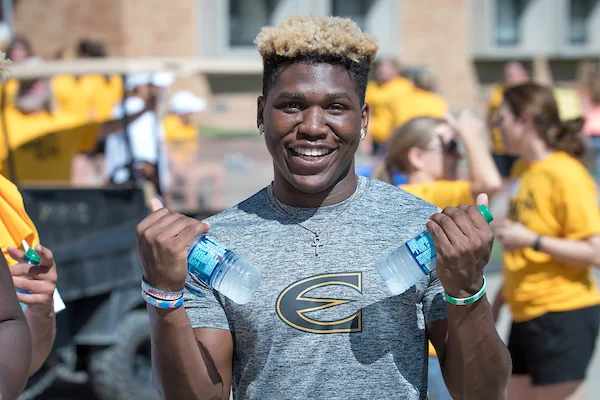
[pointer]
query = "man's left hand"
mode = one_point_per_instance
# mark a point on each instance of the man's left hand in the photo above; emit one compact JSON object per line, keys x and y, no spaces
{"x":463,"y":243}
{"x":38,"y":280}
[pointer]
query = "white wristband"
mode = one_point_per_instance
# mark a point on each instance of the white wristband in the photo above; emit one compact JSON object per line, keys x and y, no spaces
{"x":467,"y":300}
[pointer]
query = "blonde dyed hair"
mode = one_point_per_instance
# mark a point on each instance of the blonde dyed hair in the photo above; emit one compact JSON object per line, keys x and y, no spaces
{"x":306,"y":34}
{"x":317,"y":40}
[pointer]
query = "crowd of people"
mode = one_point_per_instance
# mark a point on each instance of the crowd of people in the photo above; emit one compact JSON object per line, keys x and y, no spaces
{"x":162,"y":131}
{"x":316,"y":111}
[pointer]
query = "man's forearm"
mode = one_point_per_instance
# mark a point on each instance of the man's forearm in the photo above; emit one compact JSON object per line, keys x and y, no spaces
{"x":182,"y":369}
{"x":477,"y":364}
{"x":42,"y":324}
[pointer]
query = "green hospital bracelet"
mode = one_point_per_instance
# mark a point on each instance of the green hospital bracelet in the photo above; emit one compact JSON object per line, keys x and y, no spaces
{"x":467,"y":300}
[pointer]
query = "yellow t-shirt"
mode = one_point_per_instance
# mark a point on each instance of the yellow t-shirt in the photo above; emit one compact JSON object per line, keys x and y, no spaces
{"x":89,"y":96}
{"x":424,"y":103}
{"x":442,"y":194}
{"x":389,"y":106}
{"x":175,"y":130}
{"x":15,"y":224}
{"x":553,"y":197}
{"x":43,"y":144}
{"x":494,"y":103}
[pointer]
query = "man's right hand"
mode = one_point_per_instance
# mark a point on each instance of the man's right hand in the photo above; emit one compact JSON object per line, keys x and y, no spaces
{"x":163,"y":240}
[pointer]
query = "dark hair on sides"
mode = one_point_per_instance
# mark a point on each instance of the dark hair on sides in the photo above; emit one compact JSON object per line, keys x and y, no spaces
{"x":359,"y":71}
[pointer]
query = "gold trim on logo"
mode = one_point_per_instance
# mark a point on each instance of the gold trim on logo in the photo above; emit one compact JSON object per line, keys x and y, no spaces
{"x":329,"y":303}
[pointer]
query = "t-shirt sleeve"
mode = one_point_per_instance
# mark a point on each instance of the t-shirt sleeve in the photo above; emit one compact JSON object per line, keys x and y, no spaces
{"x":142,"y":140}
{"x":434,"y":305}
{"x":578,"y":212}
{"x":203,"y":306}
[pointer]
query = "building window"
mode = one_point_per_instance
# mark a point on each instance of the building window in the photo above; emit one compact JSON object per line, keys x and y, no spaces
{"x":356,"y":10}
{"x":246,"y":18}
{"x":579,"y":11}
{"x":508,"y":21}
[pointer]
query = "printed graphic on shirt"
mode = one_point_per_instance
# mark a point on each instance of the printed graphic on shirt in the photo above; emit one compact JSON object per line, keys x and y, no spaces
{"x":294,"y":303}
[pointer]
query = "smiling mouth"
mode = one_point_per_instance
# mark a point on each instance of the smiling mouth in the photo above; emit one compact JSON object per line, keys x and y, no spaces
{"x":310,"y":154}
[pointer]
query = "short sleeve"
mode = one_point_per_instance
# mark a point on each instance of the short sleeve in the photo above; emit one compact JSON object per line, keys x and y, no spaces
{"x":203,"y":307}
{"x":578,"y":212}
{"x":142,"y":138}
{"x":434,"y":305}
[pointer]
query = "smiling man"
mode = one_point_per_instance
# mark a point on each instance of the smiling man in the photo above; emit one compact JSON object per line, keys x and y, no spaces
{"x":322,"y":325}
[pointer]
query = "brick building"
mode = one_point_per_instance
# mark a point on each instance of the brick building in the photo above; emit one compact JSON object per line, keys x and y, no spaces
{"x":464,"y":42}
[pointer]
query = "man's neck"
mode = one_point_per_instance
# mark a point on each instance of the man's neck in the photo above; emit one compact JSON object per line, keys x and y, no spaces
{"x":289,"y":195}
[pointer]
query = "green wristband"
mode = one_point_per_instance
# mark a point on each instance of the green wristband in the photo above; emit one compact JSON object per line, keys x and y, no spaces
{"x":467,"y":300}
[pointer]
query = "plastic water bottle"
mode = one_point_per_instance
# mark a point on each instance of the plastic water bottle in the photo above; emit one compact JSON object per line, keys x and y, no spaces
{"x":30,"y":257}
{"x":408,"y":264}
{"x":223,"y":270}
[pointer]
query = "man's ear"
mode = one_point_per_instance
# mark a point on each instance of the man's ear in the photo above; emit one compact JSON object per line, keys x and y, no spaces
{"x":260,"y":108}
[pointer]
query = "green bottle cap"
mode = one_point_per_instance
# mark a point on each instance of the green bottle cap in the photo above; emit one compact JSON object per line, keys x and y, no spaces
{"x":32,"y":257}
{"x":487,"y":214}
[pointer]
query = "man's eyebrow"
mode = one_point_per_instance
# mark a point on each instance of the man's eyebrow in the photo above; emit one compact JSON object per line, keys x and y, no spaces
{"x":291,"y":95}
{"x":333,"y":96}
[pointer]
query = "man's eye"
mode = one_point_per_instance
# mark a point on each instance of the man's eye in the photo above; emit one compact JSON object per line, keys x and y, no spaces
{"x":291,"y":105}
{"x":337,"y":107}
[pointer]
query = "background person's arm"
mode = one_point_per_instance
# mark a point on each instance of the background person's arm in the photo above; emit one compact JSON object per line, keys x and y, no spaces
{"x":485,"y":177}
{"x":40,"y":281}
{"x":576,"y":253}
{"x":15,"y":339}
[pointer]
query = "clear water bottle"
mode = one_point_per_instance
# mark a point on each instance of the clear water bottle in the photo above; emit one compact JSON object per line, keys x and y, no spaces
{"x":223,"y":270}
{"x":405,"y":266}
{"x":30,"y":257}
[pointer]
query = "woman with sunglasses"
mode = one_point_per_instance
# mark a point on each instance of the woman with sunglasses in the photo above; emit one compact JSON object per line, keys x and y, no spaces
{"x":425,"y":149}
{"x":551,"y":241}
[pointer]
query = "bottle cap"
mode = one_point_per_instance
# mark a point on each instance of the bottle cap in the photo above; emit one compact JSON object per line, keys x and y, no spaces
{"x":32,"y":257}
{"x":487,"y":214}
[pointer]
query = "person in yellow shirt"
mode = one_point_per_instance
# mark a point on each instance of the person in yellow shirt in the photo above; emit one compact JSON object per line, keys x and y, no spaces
{"x":551,"y":241}
{"x":515,"y":73}
{"x":389,"y":98}
{"x":425,"y":149}
{"x":424,"y":100}
{"x":42,"y":301}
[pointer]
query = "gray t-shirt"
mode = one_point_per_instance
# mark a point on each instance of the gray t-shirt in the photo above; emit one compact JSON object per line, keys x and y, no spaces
{"x":326,"y":326}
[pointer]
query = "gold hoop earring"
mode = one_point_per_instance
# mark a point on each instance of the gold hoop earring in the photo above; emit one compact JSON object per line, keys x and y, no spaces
{"x":363,"y":133}
{"x":261,"y":129}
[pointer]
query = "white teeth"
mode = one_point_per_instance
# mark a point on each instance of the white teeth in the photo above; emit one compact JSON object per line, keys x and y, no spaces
{"x":312,"y":152}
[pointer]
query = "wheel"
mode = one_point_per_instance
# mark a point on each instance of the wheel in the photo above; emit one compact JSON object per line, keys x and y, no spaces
{"x":123,"y":371}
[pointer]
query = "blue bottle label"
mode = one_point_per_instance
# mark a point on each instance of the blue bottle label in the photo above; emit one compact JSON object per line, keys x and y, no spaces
{"x":204,"y":258}
{"x":422,"y":250}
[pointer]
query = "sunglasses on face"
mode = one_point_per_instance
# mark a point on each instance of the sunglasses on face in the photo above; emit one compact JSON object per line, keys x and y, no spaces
{"x":449,"y":147}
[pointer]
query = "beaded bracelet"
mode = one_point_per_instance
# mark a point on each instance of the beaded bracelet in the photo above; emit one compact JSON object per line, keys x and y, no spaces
{"x":162,"y":303}
{"x":467,"y":300}
{"x":161,"y":294}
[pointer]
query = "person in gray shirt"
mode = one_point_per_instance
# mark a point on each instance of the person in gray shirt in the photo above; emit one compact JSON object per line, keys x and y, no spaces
{"x":322,"y":325}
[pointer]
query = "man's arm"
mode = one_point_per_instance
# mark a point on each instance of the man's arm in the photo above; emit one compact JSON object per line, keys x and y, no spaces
{"x":475,"y":362}
{"x":189,"y":363}
{"x":15,"y":340}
